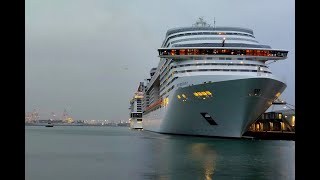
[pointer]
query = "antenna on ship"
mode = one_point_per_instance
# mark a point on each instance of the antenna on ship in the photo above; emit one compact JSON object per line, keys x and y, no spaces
{"x":201,"y":23}
{"x":214,"y":22}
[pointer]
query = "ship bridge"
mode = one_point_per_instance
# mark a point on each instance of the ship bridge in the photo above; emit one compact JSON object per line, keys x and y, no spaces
{"x":254,"y":53}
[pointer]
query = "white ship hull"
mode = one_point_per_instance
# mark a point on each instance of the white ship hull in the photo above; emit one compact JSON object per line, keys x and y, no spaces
{"x":230,"y":107}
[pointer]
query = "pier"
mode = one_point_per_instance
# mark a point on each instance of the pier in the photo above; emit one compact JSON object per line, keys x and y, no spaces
{"x":274,"y":125}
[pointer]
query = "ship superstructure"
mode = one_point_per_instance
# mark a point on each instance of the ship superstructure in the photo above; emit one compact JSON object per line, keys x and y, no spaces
{"x":211,"y":81}
{"x":136,"y":106}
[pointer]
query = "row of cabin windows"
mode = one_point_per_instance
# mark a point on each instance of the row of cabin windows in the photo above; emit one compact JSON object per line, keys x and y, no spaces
{"x":204,"y":64}
{"x":168,"y":61}
{"x":171,"y":74}
{"x":246,"y":52}
{"x":209,"y":58}
{"x":221,"y":64}
{"x":165,"y":69}
{"x":167,"y":91}
{"x":235,"y":70}
{"x":168,"y":83}
{"x":202,"y":70}
{"x":211,"y":38}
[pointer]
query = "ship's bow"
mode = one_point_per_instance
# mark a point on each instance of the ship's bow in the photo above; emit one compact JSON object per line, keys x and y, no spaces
{"x":223,"y":109}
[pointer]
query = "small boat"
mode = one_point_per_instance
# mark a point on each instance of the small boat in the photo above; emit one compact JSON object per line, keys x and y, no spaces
{"x":49,"y":124}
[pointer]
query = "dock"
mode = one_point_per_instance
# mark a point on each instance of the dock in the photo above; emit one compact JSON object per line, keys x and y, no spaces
{"x":277,"y":125}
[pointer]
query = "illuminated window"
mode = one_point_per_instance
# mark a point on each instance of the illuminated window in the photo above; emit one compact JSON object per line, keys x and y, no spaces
{"x":179,"y":96}
{"x":293,"y":120}
{"x":200,"y":94}
{"x":166,"y":101}
{"x":184,"y":96}
{"x":204,"y":93}
{"x":195,"y":94}
{"x":182,"y":52}
{"x":190,"y":51}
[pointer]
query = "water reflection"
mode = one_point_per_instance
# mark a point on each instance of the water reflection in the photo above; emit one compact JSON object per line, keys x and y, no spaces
{"x":176,"y":157}
{"x":181,"y":157}
{"x":120,"y":153}
{"x":206,"y":156}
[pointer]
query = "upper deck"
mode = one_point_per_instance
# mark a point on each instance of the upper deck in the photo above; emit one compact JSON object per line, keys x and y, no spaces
{"x":203,"y":39}
{"x":208,"y":28}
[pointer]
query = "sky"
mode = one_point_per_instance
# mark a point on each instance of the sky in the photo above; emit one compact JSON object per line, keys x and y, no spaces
{"x":88,"y":56}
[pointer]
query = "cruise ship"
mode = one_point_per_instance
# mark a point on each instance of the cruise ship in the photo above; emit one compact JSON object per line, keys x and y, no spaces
{"x":210,"y":81}
{"x":136,"y":108}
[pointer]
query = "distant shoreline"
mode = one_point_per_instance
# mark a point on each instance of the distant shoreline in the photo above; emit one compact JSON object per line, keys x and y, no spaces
{"x":78,"y":125}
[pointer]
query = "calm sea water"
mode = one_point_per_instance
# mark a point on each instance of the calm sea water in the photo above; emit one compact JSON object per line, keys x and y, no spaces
{"x":103,"y":153}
